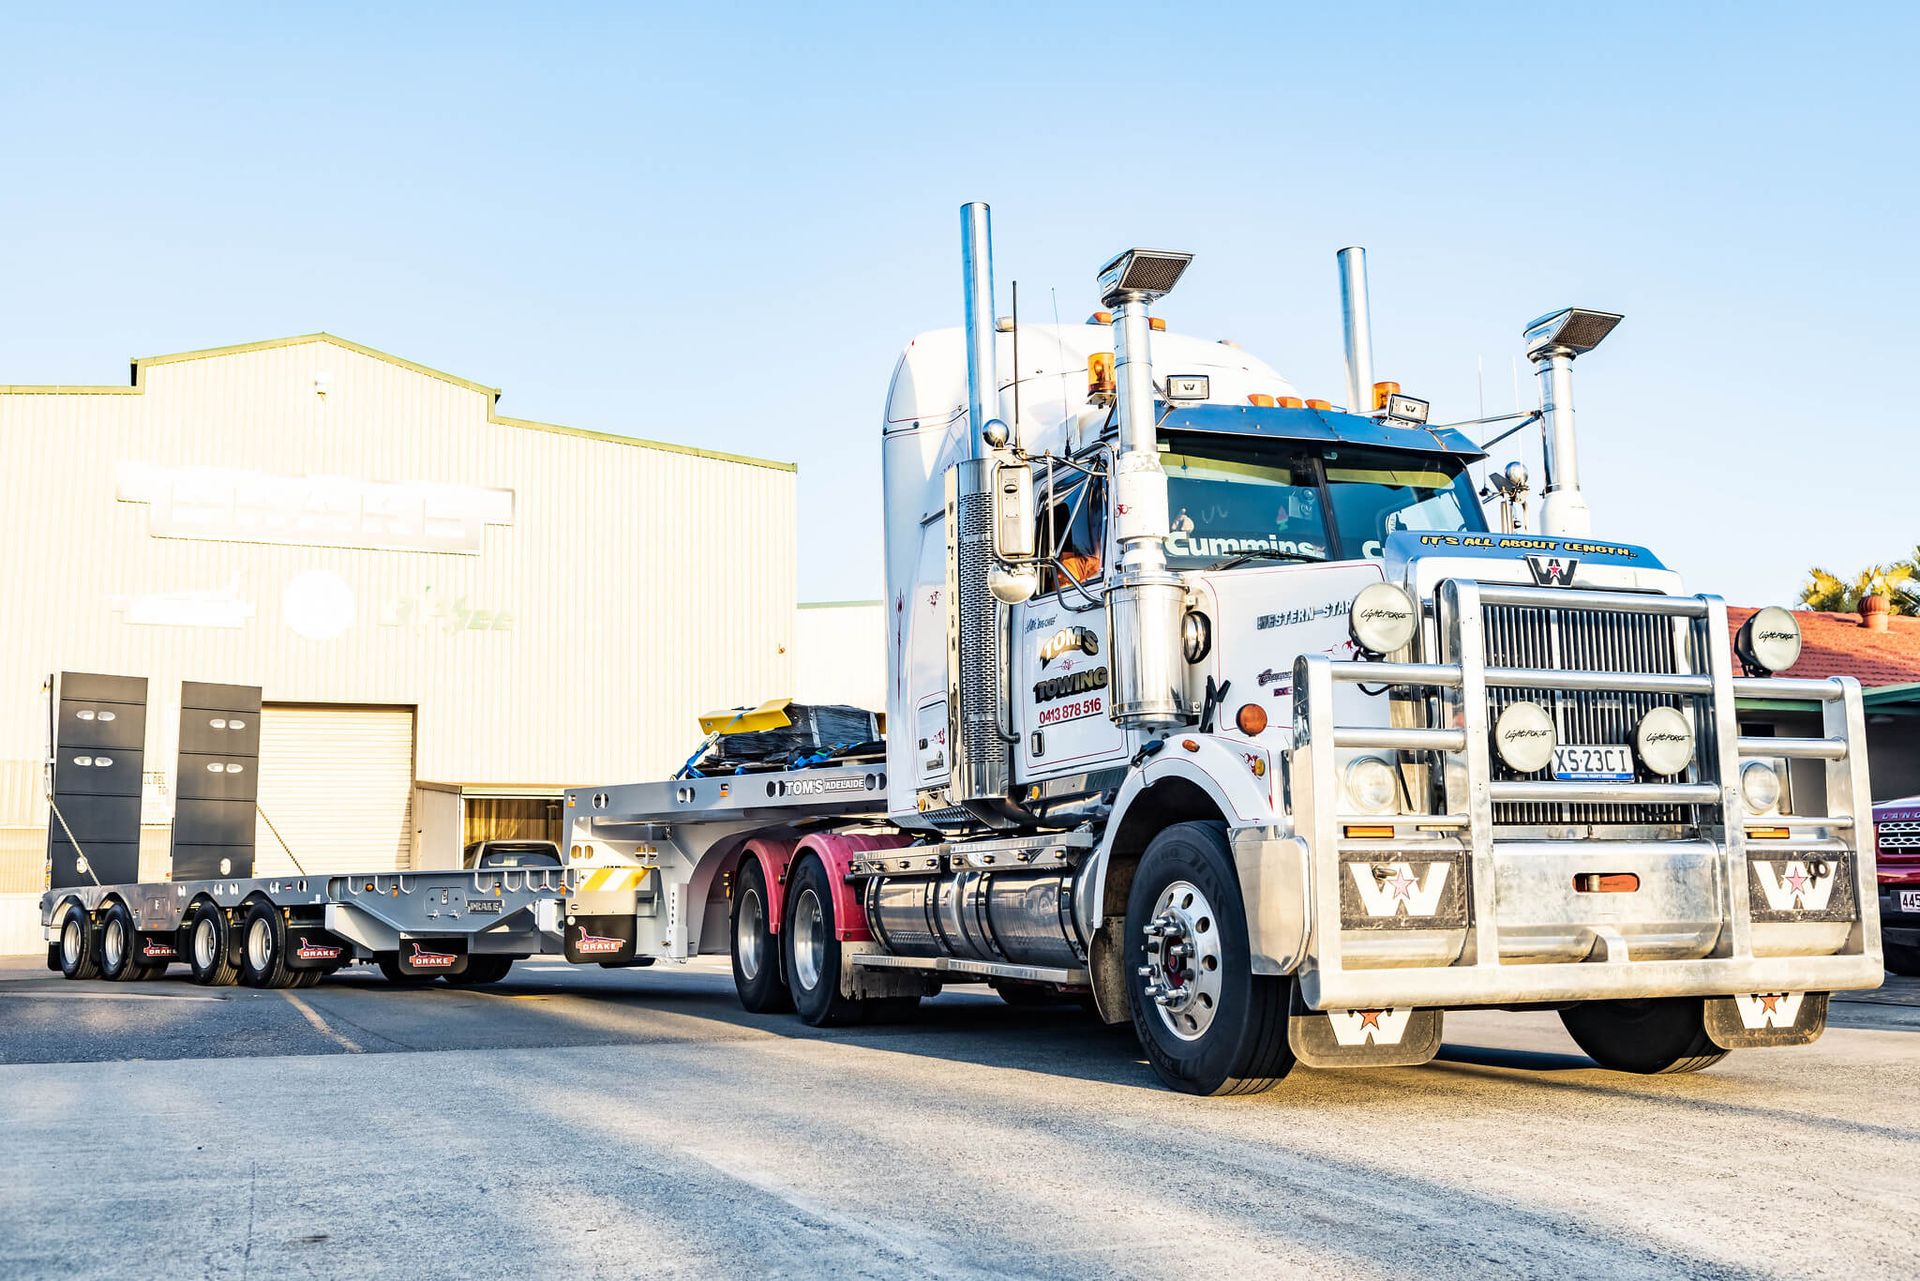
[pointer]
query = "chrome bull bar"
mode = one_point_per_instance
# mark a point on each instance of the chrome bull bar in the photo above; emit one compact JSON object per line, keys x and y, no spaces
{"x":1689,"y":928}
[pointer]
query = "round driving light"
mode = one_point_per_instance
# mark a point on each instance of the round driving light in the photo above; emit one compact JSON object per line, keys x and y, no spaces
{"x":1383,"y":618}
{"x":1770,"y":640}
{"x":1196,"y":635}
{"x":1760,"y":787}
{"x":1525,"y":738}
{"x":1370,"y":785}
{"x":1664,"y":741}
{"x":1251,"y":718}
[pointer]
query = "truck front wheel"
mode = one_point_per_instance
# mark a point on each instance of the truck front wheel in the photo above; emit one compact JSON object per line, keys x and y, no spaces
{"x":1658,"y":1035}
{"x":756,"y":953}
{"x":1208,"y":1023}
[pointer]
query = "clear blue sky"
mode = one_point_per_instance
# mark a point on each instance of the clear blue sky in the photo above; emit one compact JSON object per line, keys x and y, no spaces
{"x":598,"y":209}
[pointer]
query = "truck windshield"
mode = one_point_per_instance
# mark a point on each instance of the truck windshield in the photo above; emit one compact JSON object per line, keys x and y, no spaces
{"x":1235,"y":499}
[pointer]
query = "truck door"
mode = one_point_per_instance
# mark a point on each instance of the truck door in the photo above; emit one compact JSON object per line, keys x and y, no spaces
{"x":1061,"y":657}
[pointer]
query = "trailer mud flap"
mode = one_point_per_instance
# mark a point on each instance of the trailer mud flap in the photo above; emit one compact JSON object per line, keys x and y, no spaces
{"x":1757,"y":1020}
{"x":1363,"y":1038}
{"x":595,"y":939}
{"x":426,"y":958}
{"x":156,"y":949}
{"x":311,"y":948}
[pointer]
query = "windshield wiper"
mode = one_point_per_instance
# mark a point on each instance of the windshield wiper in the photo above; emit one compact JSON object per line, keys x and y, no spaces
{"x":1264,"y":553}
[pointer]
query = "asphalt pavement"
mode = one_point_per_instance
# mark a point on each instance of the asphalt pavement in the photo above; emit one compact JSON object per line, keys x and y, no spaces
{"x":637,"y":1123}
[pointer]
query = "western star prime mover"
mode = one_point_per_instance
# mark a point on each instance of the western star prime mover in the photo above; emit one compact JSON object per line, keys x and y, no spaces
{"x":1224,"y":712}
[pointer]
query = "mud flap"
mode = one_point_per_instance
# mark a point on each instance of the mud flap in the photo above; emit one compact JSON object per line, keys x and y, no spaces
{"x":859,"y":983}
{"x":1757,"y":1020}
{"x":429,"y":958}
{"x":311,"y":948}
{"x":1363,"y":1038}
{"x":157,"y":949}
{"x":601,"y":939}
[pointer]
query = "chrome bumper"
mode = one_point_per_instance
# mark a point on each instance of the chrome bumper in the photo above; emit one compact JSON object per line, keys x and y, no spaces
{"x":1448,"y":909}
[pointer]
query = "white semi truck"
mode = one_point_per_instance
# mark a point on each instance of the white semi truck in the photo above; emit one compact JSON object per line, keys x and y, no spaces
{"x":1224,"y":712}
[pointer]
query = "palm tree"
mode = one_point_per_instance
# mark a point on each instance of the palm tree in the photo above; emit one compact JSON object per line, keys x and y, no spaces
{"x":1898,"y":582}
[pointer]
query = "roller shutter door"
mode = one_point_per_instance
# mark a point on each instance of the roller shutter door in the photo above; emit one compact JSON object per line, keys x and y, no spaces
{"x":337,"y":784}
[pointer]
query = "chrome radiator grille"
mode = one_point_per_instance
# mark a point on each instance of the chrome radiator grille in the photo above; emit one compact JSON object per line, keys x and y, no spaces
{"x":1597,"y":641}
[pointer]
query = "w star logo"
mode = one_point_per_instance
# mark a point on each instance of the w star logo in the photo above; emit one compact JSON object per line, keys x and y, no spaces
{"x":1793,"y":887}
{"x":1387,"y":888}
{"x":1552,"y":571}
{"x":1769,"y":1009}
{"x":1369,"y":1027}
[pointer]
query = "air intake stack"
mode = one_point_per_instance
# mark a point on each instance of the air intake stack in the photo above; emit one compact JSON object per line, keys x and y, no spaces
{"x":1144,"y":598}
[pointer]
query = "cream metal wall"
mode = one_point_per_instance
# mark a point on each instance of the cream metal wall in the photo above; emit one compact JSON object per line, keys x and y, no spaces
{"x":618,"y":589}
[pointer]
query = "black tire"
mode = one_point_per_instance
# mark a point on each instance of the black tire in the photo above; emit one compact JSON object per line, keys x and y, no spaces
{"x":263,"y":948}
{"x":1238,"y":1043}
{"x":389,"y":963}
{"x":306,"y":978}
{"x":811,"y":952}
{"x":1902,"y":960}
{"x":79,"y":946}
{"x":120,"y":947}
{"x":757,"y":953}
{"x":1652,"y":1037}
{"x":206,"y":940}
{"x":480,"y":971}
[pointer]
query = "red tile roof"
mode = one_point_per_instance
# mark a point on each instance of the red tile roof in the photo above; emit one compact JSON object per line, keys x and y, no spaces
{"x":1837,"y":645}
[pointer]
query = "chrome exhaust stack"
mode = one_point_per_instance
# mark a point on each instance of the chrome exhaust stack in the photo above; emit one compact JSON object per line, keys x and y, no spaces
{"x":1144,"y":598}
{"x":1552,"y":343}
{"x":1356,"y":328}
{"x":978,"y":694}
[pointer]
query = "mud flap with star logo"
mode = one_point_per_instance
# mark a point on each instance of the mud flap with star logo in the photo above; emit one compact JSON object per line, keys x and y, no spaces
{"x":1755,"y":1020}
{"x":1363,"y":1038}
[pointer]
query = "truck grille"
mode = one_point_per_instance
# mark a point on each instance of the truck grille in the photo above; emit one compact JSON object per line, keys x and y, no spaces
{"x":1598,"y":641}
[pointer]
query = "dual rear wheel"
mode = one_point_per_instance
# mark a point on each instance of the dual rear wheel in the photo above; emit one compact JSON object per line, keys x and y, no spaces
{"x":798,"y":969}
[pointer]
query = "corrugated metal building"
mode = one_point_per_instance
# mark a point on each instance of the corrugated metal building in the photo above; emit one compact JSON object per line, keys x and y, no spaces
{"x":451,"y":614}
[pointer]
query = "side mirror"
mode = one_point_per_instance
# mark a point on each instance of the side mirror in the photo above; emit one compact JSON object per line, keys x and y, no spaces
{"x":1014,"y":524}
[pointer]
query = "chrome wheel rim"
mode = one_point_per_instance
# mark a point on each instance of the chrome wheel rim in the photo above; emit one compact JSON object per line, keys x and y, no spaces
{"x":203,"y":943}
{"x":259,"y":945}
{"x":1183,"y":974}
{"x":70,"y":942}
{"x":113,"y":944}
{"x":809,"y":939}
{"x":749,"y":933}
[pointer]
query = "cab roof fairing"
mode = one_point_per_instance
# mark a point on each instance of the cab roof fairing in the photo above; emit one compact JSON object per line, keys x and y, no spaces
{"x":1320,"y":426}
{"x":929,"y":386}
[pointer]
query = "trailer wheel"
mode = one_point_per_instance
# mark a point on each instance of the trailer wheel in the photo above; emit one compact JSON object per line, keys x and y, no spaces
{"x":1208,"y":1023}
{"x":263,"y":948}
{"x":389,"y":963}
{"x":812,"y":952}
{"x":480,"y":971}
{"x":1656,"y":1036}
{"x":305,"y":978}
{"x":79,"y":948}
{"x":209,"y":947}
{"x":120,"y":947}
{"x":757,"y":961}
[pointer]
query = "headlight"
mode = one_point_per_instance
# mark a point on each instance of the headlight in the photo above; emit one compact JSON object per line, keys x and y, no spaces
{"x":1664,"y":741}
{"x":1196,"y":635}
{"x":1524,"y":736}
{"x":1383,"y":618}
{"x":1770,"y":640}
{"x":1760,"y":787}
{"x":1371,"y":786}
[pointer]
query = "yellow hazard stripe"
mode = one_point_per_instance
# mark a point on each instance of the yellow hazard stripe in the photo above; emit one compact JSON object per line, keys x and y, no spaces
{"x":614,"y":879}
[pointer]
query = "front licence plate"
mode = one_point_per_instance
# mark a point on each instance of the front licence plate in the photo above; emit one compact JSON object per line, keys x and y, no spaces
{"x":1910,"y":900}
{"x":1575,"y":763}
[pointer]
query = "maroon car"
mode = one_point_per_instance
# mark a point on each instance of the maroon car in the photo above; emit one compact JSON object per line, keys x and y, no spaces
{"x":1897,"y":825}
